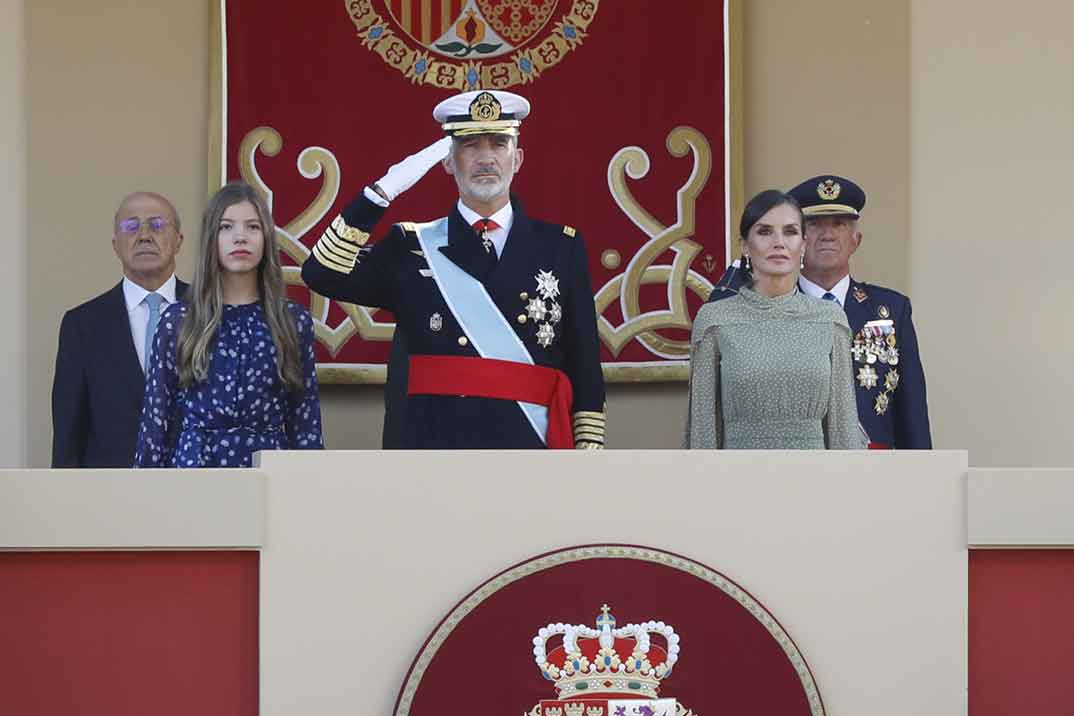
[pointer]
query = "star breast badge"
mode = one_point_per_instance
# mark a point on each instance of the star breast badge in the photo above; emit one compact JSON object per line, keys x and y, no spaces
{"x":867,"y":377}
{"x":547,"y":284}
{"x":545,"y":335}
{"x":545,"y":310}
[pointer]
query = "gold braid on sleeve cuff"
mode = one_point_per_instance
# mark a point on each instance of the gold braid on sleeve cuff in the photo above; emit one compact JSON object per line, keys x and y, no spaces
{"x":338,"y":246}
{"x":589,"y":430}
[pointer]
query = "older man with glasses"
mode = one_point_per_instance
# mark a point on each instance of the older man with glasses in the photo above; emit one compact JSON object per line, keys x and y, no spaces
{"x":105,"y":343}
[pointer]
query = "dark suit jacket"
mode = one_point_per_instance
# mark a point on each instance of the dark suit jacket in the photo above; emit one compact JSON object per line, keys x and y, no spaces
{"x":904,"y":422}
{"x":98,"y":386}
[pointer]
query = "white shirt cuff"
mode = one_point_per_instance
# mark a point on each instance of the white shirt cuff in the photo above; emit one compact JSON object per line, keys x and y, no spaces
{"x":374,"y":197}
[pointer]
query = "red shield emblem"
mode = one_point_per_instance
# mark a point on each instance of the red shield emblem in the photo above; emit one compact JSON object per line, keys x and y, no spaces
{"x":610,"y":630}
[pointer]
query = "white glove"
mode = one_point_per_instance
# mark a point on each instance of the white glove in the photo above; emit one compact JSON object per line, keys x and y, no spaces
{"x":406,"y":173}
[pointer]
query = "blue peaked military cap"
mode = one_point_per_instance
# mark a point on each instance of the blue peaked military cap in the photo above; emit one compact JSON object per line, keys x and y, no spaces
{"x":829,"y":195}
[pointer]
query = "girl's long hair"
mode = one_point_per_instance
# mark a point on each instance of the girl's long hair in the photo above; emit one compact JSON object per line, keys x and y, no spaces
{"x":205,"y":299}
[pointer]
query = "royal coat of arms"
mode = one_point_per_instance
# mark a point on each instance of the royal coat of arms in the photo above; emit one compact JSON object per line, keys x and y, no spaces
{"x":740,"y":658}
{"x":439,"y":43}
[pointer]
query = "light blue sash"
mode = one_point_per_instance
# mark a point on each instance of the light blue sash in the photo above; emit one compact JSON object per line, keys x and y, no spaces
{"x":489,"y":332}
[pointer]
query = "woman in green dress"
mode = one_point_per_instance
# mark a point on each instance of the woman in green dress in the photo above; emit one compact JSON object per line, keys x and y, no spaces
{"x":770,"y":366}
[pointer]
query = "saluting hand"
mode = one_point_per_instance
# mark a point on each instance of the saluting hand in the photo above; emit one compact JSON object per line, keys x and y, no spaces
{"x":406,"y":173}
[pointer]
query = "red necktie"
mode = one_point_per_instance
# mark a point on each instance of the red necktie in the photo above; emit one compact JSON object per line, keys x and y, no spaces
{"x":482,"y":227}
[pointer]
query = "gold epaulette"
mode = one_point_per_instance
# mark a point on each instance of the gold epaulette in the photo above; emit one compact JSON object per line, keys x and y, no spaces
{"x":338,"y":246}
{"x":589,"y":426}
{"x":569,"y":231}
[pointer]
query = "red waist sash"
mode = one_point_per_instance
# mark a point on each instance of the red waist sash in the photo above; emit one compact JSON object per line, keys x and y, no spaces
{"x":506,"y":380}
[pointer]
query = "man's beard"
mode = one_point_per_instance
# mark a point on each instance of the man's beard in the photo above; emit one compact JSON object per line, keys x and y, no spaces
{"x":485,"y":190}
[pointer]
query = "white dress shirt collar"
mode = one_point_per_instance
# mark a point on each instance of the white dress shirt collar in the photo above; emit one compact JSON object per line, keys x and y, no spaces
{"x":133,"y":294}
{"x":504,"y":217}
{"x":839,"y":290}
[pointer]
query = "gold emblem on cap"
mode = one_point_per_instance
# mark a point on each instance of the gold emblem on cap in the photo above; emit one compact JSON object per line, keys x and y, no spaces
{"x":485,"y":108}
{"x":829,"y":190}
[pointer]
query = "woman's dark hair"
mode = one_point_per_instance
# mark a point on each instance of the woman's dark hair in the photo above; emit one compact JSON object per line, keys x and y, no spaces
{"x":757,"y":207}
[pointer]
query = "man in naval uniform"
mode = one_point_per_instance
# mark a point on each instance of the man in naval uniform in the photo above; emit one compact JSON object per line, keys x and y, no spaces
{"x":889,"y":378}
{"x":495,"y":308}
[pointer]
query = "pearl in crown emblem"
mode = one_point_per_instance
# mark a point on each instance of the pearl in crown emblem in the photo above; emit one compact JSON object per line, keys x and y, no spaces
{"x":624,"y":661}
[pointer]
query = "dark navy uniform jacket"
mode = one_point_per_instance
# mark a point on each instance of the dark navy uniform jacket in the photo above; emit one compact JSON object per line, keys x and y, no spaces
{"x":904,"y":422}
{"x":394,"y":275}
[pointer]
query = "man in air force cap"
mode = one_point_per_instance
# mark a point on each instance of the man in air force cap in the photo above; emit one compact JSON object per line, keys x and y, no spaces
{"x":495,"y":308}
{"x":889,"y":378}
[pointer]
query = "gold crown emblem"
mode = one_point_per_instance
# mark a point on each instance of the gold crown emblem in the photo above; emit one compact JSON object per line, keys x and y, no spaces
{"x":485,"y":108}
{"x":607,"y":660}
{"x":829,"y":190}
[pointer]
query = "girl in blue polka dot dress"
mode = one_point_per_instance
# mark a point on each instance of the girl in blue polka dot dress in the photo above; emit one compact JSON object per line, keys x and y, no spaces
{"x":232,"y":365}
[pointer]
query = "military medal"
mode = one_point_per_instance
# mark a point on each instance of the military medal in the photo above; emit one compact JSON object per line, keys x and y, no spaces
{"x":857,"y":350}
{"x":544,"y":308}
{"x":536,"y":309}
{"x":485,"y":240}
{"x":547,"y":284}
{"x":882,"y":402}
{"x":891,"y":380}
{"x":555,"y":313}
{"x":545,"y":334}
{"x":436,"y":322}
{"x":867,"y":377}
{"x":883,"y":312}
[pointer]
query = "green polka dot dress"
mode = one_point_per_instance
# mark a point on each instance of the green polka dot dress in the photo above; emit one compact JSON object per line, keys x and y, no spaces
{"x":772,"y":374}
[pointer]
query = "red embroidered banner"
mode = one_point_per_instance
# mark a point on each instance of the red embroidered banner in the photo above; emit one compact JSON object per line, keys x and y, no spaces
{"x":627,"y":142}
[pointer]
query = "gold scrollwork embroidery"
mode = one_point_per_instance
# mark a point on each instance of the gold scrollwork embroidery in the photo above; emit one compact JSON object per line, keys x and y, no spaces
{"x":640,"y":270}
{"x":313,"y":163}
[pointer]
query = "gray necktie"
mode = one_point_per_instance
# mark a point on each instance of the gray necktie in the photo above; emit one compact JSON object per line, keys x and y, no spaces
{"x":153,"y":301}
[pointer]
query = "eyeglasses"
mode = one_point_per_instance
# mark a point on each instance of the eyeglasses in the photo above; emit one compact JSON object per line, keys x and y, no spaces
{"x":133,"y":225}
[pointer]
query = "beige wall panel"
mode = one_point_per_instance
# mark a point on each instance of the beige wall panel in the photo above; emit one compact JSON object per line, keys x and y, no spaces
{"x":827,"y":90}
{"x":992,"y":114}
{"x":117,"y":103}
{"x":131,"y":509}
{"x":1020,"y":507}
{"x":13,"y":433}
{"x":366,"y":551}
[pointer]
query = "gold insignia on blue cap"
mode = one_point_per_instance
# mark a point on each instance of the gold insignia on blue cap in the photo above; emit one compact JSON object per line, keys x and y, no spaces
{"x":485,"y":108}
{"x":829,"y":190}
{"x":829,"y":195}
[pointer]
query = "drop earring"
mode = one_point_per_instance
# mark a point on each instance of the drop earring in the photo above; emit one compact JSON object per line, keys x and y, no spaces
{"x":747,"y":262}
{"x":801,"y":261}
